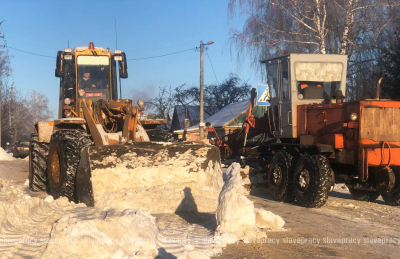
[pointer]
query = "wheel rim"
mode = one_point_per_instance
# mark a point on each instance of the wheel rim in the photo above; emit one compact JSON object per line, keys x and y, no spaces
{"x":55,"y":167}
{"x":396,"y":188}
{"x":277,"y":175}
{"x":30,"y":169}
{"x":303,"y":180}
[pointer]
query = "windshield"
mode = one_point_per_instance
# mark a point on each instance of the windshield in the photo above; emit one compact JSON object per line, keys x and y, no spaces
{"x":318,"y":80}
{"x":93,"y":77}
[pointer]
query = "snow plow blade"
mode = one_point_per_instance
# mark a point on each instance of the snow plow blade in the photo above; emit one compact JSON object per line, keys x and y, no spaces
{"x":118,"y":168}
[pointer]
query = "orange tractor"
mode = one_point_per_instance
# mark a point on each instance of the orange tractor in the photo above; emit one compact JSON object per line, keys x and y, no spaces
{"x":313,"y":138}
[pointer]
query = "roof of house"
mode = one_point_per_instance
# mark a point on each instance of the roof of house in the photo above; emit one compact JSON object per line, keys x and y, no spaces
{"x":178,"y":119}
{"x":224,"y":116}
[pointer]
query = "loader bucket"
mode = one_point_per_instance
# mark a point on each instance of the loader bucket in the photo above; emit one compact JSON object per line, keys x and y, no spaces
{"x":144,"y":165}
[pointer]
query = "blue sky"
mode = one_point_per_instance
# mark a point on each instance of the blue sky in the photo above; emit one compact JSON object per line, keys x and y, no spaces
{"x":145,"y":28}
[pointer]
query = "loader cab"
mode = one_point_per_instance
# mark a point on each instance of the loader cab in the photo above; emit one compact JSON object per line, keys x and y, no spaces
{"x":88,"y":73}
{"x":296,"y":79}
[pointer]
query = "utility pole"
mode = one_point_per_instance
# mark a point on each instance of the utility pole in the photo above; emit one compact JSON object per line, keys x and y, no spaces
{"x":201,"y":128}
{"x":1,"y":86}
{"x":10,"y":115}
{"x":9,"y":107}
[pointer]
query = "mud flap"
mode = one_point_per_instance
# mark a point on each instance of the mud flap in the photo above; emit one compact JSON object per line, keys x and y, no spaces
{"x":112,"y":156}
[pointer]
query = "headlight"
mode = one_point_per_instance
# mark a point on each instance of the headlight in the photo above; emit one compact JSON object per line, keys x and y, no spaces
{"x":140,"y":103}
{"x":118,"y":58}
{"x":67,"y":101}
{"x":67,"y":50}
{"x":300,"y":97}
{"x":353,"y":116}
{"x":117,"y":51}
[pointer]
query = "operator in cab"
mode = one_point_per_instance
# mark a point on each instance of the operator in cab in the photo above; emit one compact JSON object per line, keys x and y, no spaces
{"x":86,"y":82}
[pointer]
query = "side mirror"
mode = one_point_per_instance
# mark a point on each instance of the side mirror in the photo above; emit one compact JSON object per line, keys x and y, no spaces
{"x":59,"y":72}
{"x":123,"y":67}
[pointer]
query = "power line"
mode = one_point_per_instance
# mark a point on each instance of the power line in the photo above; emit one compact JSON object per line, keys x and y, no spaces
{"x":46,"y":56}
{"x":31,"y":53}
{"x":159,"y":56}
{"x":167,"y":47}
{"x":212,"y":66}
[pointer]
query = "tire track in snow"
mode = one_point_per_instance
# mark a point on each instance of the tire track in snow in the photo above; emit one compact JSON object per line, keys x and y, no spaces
{"x":25,"y":222}
{"x":186,"y":232}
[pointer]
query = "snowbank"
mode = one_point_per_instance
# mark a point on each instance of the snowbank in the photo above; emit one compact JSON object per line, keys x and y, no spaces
{"x":193,"y":255}
{"x":183,"y":192}
{"x":5,"y":156}
{"x":236,"y":216}
{"x":125,"y":234}
{"x":159,"y":183}
{"x":26,"y":221}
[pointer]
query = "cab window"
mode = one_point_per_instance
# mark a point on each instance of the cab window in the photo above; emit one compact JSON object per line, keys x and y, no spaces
{"x":93,"y":77}
{"x":285,"y":79}
{"x":318,"y":80}
{"x":272,"y":79}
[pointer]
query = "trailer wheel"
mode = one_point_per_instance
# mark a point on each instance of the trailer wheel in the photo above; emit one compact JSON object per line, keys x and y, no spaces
{"x":393,"y":197}
{"x":362,"y":195}
{"x":38,"y":152}
{"x":280,"y":175}
{"x":312,"y":180}
{"x":64,"y":156}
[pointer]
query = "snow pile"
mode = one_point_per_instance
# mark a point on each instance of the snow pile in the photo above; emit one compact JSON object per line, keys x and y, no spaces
{"x":5,"y":156}
{"x":193,"y":255}
{"x":268,"y":220}
{"x":161,"y":183}
{"x":33,"y":227}
{"x":125,"y":234}
{"x":26,"y":221}
{"x":236,"y":216}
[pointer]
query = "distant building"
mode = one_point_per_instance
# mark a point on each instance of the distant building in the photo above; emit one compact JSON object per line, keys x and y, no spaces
{"x":189,"y":115}
{"x":225,"y":121}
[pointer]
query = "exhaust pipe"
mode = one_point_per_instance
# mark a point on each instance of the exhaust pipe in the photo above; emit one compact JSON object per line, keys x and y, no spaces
{"x":378,"y":86}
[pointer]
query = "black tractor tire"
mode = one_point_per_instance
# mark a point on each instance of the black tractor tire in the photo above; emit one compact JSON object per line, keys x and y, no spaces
{"x":393,"y":197}
{"x":312,"y":180}
{"x":63,"y":161}
{"x":362,"y":195}
{"x":38,"y":152}
{"x":280,"y":175}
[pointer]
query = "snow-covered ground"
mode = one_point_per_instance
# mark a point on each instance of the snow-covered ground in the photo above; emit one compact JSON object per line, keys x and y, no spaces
{"x":4,"y":156}
{"x":35,"y":225}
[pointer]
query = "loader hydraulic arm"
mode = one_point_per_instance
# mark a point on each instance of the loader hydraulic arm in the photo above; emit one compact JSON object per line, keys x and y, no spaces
{"x":128,"y":117}
{"x":250,"y":119}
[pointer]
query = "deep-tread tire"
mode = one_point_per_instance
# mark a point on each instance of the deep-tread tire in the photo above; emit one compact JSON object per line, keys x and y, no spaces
{"x":362,"y":195}
{"x":393,"y":197}
{"x":280,"y":175}
{"x":317,"y":185}
{"x":38,"y":152}
{"x":66,"y":147}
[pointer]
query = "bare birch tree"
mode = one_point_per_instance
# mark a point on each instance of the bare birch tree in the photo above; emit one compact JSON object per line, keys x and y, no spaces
{"x":358,"y":28}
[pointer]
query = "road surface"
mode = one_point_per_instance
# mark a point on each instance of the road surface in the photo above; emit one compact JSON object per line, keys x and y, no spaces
{"x":342,"y":228}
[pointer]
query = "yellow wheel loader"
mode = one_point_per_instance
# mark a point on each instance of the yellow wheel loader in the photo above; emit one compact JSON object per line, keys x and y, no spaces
{"x":96,"y":130}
